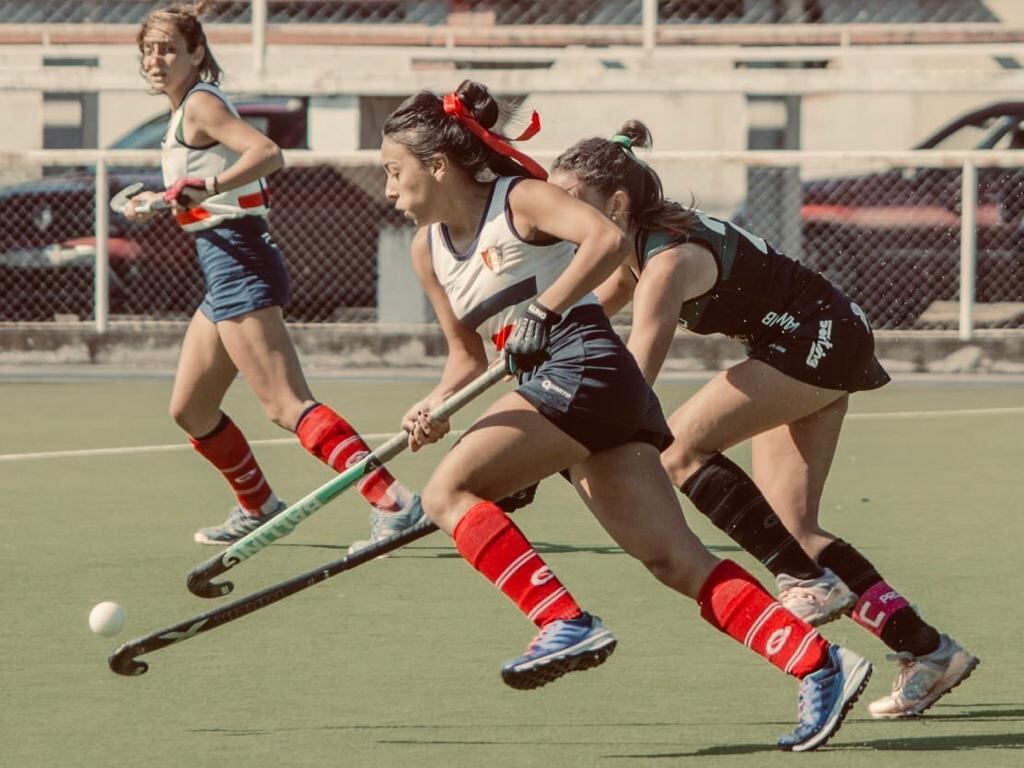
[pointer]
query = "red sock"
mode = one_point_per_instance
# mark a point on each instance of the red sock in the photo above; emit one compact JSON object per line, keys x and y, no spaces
{"x":491,"y":543}
{"x":228,"y":450}
{"x":331,"y":439}
{"x":733,"y":602}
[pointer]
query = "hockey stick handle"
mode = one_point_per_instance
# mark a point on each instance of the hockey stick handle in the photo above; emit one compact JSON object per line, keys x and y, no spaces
{"x":199,"y":580}
{"x":124,"y":659}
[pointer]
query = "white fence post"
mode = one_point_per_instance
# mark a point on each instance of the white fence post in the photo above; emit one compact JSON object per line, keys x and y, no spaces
{"x":968,"y":248}
{"x":101,"y":271}
{"x":259,"y":36}
{"x":649,"y":19}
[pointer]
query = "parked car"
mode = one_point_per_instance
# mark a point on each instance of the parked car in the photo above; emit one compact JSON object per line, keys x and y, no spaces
{"x":892,"y":239}
{"x":325,"y":221}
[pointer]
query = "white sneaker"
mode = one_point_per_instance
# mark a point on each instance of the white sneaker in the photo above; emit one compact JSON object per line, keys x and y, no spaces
{"x":923,"y":680}
{"x":384,"y":526}
{"x":816,"y":601}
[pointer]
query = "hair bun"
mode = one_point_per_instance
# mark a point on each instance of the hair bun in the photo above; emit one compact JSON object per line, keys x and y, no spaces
{"x":478,"y":100}
{"x":637,"y":133}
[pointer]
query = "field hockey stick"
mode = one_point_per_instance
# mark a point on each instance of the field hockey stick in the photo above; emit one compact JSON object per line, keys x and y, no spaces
{"x":124,"y":661}
{"x":199,"y":580}
{"x":121,"y":199}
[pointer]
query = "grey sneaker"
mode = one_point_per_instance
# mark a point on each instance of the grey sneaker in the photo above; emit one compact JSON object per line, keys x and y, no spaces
{"x":383,"y":526}
{"x":923,"y":680}
{"x":238,"y":524}
{"x":816,"y":601}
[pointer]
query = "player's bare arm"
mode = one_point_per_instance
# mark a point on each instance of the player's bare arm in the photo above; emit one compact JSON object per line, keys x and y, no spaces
{"x":208,"y":120}
{"x":543,"y":210}
{"x":671,"y":277}
{"x":659,"y":293}
{"x":617,"y":291}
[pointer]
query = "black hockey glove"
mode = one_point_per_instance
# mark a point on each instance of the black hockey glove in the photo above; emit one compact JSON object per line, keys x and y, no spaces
{"x":527,"y":347}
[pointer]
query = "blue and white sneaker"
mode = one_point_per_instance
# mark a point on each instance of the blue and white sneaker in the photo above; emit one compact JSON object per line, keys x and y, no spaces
{"x":238,"y":524}
{"x":563,"y":646}
{"x":384,"y":526}
{"x":826,"y":695}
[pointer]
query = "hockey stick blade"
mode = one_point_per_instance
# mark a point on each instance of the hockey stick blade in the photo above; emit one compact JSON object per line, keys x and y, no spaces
{"x":122,"y":198}
{"x":199,"y":580}
{"x":124,"y":660}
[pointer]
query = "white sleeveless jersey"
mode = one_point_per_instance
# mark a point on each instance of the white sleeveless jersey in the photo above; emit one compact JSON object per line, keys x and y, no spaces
{"x":179,"y":160}
{"x":490,"y":284}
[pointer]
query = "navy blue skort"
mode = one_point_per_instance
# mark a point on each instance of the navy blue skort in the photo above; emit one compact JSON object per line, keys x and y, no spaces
{"x":244,"y":270}
{"x":592,"y":388}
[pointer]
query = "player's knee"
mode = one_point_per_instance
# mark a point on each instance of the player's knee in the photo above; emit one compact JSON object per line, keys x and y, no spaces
{"x":681,"y":460}
{"x":805,"y":532}
{"x":284,"y":414}
{"x":671,"y":569}
{"x":282,"y":418}
{"x":184,"y":417}
{"x":440,"y":501}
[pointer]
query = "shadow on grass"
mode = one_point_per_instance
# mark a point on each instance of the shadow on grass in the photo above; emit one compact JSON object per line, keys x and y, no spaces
{"x":943,"y":743}
{"x":908,"y":743}
{"x":542,"y":547}
{"x":947,"y":743}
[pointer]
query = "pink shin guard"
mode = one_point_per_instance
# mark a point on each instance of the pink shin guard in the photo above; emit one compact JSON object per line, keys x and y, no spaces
{"x":876,"y":606}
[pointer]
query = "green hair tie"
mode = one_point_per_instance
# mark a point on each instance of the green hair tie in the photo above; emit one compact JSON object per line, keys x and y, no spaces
{"x":627,"y":146}
{"x":624,"y":141}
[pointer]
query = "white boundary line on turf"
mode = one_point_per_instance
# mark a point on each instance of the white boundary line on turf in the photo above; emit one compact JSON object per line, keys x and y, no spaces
{"x":933,"y":414}
{"x":130,"y":450}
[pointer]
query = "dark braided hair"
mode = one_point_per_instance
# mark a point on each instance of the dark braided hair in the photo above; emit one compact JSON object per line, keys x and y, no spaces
{"x":421,"y":124}
{"x":184,"y":17}
{"x":607,"y":165}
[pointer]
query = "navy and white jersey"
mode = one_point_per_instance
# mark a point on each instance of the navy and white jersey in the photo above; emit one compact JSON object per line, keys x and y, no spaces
{"x":757,"y":288}
{"x":180,"y":160}
{"x":491,"y":282}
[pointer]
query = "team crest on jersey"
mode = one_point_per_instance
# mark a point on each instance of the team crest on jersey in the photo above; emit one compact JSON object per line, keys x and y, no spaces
{"x":492,"y":258}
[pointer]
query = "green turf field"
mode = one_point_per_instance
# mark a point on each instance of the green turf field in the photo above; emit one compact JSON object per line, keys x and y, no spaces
{"x":396,"y":663}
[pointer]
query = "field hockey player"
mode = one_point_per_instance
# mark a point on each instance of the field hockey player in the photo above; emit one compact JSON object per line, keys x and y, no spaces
{"x":214,"y":168}
{"x":508,"y":263}
{"x":809,"y":346}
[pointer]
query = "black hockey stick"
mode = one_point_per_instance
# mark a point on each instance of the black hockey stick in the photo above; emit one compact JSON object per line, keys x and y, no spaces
{"x":124,"y":660}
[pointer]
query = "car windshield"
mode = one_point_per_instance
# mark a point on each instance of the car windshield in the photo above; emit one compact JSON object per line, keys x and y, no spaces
{"x":969,"y":136}
{"x":147,"y":136}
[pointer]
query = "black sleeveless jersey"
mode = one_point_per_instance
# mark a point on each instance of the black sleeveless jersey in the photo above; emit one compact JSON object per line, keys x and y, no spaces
{"x":758,"y":289}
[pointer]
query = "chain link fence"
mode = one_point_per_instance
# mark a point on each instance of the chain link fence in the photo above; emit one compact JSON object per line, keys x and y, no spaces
{"x":887,"y":229}
{"x":327,"y":219}
{"x":517,"y":12}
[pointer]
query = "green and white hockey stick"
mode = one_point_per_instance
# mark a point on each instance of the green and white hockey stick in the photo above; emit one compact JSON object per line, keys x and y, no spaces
{"x":199,"y":579}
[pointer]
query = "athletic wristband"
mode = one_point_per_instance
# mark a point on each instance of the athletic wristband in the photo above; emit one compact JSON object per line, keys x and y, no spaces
{"x":211,"y":185}
{"x":542,"y":314}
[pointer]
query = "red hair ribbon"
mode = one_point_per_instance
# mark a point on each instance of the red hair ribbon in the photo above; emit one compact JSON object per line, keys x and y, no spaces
{"x":453,"y":106}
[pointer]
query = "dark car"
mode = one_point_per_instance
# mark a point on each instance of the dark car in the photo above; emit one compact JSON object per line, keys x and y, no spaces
{"x":326,"y":222}
{"x":892,"y":239}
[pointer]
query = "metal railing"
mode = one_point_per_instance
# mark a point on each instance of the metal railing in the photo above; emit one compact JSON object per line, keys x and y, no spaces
{"x":458,"y":23}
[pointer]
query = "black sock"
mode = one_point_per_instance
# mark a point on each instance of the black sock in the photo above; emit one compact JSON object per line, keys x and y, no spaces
{"x":903,"y":630}
{"x":727,"y":496}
